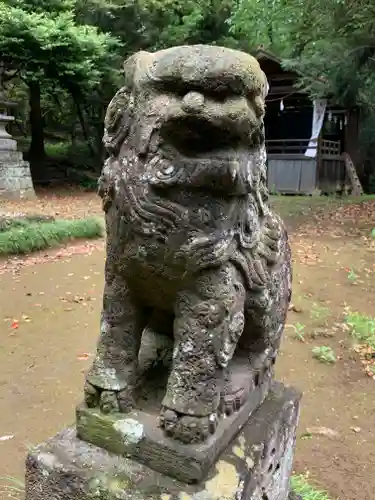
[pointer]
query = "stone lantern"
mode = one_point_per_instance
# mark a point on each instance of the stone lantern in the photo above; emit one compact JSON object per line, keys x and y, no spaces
{"x":15,"y":175}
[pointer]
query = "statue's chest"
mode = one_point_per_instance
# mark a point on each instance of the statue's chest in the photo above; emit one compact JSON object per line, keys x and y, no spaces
{"x":154,"y":272}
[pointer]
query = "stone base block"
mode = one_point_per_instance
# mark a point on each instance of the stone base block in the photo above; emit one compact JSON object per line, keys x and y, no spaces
{"x":255,"y":466}
{"x":138,"y":436}
{"x":15,"y":177}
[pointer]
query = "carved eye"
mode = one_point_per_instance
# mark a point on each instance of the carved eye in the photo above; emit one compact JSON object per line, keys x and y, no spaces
{"x":166,"y":170}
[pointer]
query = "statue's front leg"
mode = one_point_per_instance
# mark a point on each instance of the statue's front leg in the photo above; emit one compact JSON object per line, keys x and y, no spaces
{"x":113,"y":376}
{"x":209,"y":321}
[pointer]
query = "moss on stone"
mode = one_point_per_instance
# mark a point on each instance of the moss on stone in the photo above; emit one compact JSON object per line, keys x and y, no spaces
{"x":109,"y":487}
{"x":112,"y":432}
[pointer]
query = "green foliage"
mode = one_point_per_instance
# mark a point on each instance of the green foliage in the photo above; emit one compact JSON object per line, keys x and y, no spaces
{"x":38,"y":236}
{"x":265,"y":22}
{"x":324,"y":354}
{"x":75,"y":161}
{"x":330,"y":43}
{"x":174,"y":22}
{"x":52,"y":50}
{"x":301,"y":486}
{"x":362,"y":328}
{"x":52,"y":45}
{"x":77,"y":153}
{"x":74,"y":51}
{"x":352,"y":276}
{"x":299,"y":332}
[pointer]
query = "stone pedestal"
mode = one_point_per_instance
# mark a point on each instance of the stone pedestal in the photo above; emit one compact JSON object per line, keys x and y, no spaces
{"x":15,"y":176}
{"x":256,"y":465}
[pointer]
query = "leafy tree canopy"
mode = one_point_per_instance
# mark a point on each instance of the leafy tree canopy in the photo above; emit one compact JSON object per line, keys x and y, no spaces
{"x":43,"y":40}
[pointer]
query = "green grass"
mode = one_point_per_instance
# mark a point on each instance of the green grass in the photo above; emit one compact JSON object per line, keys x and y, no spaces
{"x":7,"y":223}
{"x":294,"y":206}
{"x":33,"y":236}
{"x":307,"y":492}
{"x":11,"y":488}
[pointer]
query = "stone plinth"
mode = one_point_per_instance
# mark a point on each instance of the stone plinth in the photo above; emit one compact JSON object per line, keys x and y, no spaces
{"x":137,"y":435}
{"x":15,"y":175}
{"x":255,"y":466}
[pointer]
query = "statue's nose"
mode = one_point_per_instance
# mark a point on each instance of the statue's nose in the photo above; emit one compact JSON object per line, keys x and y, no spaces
{"x":192,"y":102}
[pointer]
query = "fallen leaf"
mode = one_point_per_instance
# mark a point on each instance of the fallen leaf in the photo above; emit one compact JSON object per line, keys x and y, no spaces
{"x":15,"y":324}
{"x":83,"y":357}
{"x":323,"y":431}
{"x":294,"y":308}
{"x":6,"y":438}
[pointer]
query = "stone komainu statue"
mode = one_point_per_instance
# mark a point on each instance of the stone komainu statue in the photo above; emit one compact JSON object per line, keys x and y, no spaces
{"x":193,"y":249}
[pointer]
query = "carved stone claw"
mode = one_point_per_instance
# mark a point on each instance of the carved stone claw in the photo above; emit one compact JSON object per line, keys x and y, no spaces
{"x":187,"y":428}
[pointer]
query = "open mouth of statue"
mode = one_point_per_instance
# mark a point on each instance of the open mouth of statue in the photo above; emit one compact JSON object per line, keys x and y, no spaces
{"x":193,"y":136}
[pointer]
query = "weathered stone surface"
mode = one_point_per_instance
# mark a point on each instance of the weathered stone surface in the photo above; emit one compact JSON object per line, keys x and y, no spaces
{"x":256,"y":465}
{"x":15,"y":177}
{"x":135,"y":435}
{"x":193,"y":249}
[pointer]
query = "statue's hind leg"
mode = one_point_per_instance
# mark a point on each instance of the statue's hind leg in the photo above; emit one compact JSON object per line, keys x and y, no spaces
{"x":265,"y":315}
{"x":208,"y":323}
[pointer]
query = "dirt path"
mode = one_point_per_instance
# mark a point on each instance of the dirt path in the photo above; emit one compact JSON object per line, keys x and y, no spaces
{"x":339,"y":397}
{"x":56,"y":305}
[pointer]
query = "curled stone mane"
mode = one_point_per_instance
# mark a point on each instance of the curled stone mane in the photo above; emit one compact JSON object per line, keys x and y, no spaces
{"x":154,"y":216}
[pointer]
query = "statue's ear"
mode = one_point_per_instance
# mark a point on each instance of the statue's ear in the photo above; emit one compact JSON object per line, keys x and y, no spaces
{"x":119,"y":113}
{"x":135,"y":63}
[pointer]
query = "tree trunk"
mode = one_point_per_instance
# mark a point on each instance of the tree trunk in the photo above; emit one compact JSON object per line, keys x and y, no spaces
{"x":83,"y":124}
{"x":37,"y":152}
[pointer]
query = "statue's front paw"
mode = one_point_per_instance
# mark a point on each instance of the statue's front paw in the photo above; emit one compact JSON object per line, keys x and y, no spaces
{"x":108,"y":401}
{"x":232,"y":402}
{"x":187,"y":428}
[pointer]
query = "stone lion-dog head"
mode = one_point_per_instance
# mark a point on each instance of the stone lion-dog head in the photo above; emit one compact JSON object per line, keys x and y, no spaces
{"x":188,"y":121}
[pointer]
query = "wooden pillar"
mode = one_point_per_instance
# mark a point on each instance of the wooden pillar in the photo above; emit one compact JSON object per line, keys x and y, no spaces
{"x":351,"y":145}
